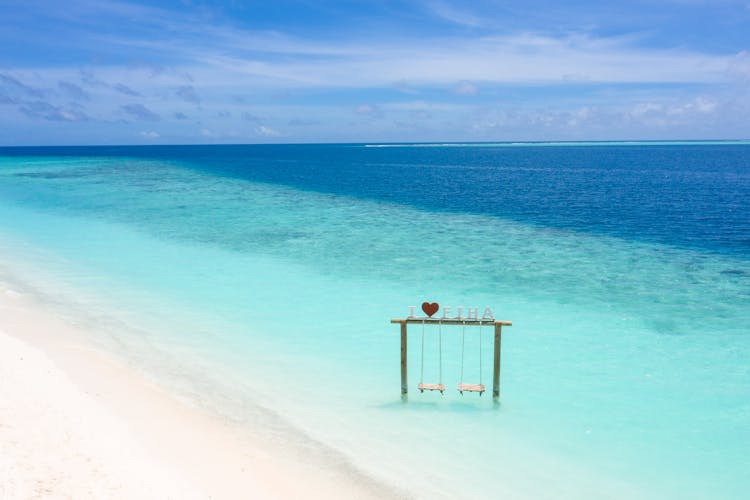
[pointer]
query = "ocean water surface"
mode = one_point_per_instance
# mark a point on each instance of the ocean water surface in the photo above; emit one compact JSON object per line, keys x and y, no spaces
{"x":259,"y":281}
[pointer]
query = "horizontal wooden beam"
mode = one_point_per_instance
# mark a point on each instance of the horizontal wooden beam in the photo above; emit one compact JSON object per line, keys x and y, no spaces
{"x":450,"y":321}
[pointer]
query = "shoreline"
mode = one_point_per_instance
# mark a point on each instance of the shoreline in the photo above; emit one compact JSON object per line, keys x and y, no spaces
{"x":216,"y":454}
{"x":80,"y":423}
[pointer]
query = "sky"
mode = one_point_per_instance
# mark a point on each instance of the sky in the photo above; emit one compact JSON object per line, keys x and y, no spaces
{"x":90,"y":72}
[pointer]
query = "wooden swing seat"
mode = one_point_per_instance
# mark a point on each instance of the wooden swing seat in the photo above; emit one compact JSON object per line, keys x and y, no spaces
{"x":470,"y":388}
{"x":431,"y":387}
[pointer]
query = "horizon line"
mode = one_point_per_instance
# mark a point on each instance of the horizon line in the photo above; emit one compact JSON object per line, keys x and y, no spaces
{"x":603,"y":142}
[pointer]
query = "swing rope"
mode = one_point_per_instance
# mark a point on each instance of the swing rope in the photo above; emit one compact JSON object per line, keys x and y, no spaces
{"x":463,"y":341}
{"x":439,"y":386}
{"x":421,"y":370}
{"x":480,"y":355}
{"x":461,"y":385}
{"x":440,"y":355}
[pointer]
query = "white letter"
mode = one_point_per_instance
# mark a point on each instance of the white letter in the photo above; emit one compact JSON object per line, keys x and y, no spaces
{"x":458,"y":314}
{"x":487,"y":313}
{"x":446,"y":310}
{"x":473,"y":313}
{"x":411,"y":311}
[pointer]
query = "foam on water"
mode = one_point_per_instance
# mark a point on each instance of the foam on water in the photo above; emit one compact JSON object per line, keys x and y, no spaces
{"x":625,"y":373}
{"x":553,"y":143}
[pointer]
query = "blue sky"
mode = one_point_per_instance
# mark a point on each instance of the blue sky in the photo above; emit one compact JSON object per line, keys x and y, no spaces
{"x":193,"y":71}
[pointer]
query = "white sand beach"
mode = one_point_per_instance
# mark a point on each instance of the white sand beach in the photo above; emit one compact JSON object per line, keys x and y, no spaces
{"x":77,"y":423}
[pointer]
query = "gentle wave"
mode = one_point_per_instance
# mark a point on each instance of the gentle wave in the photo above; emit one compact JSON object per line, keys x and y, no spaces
{"x":554,"y":143}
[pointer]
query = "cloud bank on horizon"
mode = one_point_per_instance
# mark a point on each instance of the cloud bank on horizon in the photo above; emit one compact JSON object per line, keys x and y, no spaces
{"x":192,"y":71}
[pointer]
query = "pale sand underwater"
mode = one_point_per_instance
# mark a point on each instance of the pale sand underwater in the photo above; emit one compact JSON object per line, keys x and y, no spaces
{"x":78,"y":423}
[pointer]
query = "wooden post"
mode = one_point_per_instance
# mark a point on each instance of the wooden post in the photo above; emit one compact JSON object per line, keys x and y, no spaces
{"x":404,"y":381}
{"x":496,"y":364}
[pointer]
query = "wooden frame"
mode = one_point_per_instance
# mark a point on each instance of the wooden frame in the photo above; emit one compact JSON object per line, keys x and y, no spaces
{"x":456,"y":322}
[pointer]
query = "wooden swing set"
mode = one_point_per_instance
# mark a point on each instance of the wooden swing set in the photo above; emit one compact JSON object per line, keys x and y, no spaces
{"x":463,"y":322}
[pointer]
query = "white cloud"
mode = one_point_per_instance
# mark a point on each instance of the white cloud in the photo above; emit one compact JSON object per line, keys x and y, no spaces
{"x":421,"y":114}
{"x":251,"y":58}
{"x":499,"y":60}
{"x":465,"y":88}
{"x":457,"y":15}
{"x":212,"y":62}
{"x":699,"y":105}
{"x":422,"y":105}
{"x":739,"y":66}
{"x":188,"y":94}
{"x":405,"y":87}
{"x":150,"y":134}
{"x":671,"y":112}
{"x":645,"y":108}
{"x":697,"y":113}
{"x":689,"y":118}
{"x":267,"y":131}
{"x":371,"y":110}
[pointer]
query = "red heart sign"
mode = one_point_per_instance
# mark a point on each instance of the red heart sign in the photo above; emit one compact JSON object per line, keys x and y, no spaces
{"x":430,"y":309}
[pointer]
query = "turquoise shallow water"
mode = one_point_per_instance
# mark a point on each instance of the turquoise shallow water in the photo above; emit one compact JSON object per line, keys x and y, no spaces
{"x":625,"y":373}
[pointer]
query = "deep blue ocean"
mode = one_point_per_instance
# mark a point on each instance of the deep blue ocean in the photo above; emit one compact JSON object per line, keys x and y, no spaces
{"x":625,"y":268}
{"x":686,"y":195}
